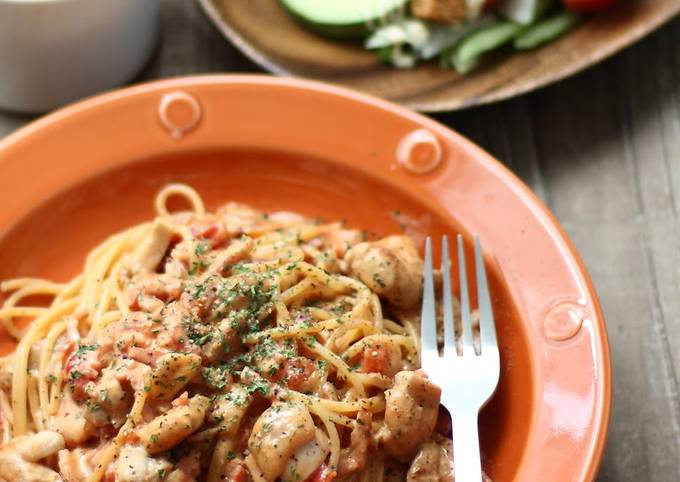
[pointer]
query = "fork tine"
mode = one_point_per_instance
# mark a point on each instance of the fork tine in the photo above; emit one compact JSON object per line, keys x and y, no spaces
{"x":428,"y":325}
{"x":449,"y":335}
{"x":466,"y":317}
{"x":487,"y":325}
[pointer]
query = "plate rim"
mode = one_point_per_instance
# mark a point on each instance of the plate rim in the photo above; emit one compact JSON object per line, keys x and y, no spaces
{"x":497,"y":95}
{"x":520,"y":189}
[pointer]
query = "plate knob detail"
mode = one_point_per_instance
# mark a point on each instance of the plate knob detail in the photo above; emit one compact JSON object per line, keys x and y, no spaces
{"x":419,"y":151}
{"x":564,"y":321}
{"x":179,"y":113}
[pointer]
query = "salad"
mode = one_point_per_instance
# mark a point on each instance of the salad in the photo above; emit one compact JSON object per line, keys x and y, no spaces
{"x":460,"y":33}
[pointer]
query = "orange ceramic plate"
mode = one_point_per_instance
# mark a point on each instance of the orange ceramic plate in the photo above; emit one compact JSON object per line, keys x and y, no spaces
{"x":88,"y":170}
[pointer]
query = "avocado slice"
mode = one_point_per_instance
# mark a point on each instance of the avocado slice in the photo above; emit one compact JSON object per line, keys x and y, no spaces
{"x":342,"y":19}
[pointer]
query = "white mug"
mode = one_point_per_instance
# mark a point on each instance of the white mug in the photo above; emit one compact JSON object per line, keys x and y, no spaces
{"x":53,"y":52}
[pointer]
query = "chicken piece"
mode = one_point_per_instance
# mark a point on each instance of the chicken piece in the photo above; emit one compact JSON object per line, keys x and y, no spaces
{"x":229,"y":409}
{"x":71,"y":422}
{"x":170,"y":428}
{"x":149,"y":291}
{"x":150,"y":253}
{"x":173,"y":371}
{"x":278,"y":434}
{"x":307,"y":460}
{"x":108,"y":398}
{"x":134,"y":464}
{"x":432,"y":464}
{"x":36,"y":446}
{"x":234,"y":471}
{"x":238,"y":218}
{"x":236,"y":251}
{"x":339,"y":241}
{"x":17,"y":458}
{"x":15,"y":469}
{"x":411,"y":410}
{"x":75,"y":465}
{"x":353,"y":458}
{"x":224,"y":342}
{"x":444,"y":11}
{"x":390,"y":267}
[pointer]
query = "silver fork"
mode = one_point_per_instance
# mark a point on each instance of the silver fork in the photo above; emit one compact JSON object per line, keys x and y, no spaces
{"x":467,"y":380}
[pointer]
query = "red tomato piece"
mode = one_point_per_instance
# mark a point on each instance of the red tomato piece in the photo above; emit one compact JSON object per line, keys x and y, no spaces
{"x":375,"y":359}
{"x":589,"y":5}
{"x":240,"y":474}
{"x":79,"y":370}
{"x":322,"y":474}
{"x":213,"y":232}
{"x":295,"y":371}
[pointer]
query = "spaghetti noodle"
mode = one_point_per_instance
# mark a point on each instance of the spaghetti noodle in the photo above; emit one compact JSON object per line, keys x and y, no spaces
{"x":234,"y":345}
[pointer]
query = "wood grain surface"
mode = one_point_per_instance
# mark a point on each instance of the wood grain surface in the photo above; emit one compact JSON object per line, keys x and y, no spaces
{"x":603,"y":151}
{"x":267,"y":34}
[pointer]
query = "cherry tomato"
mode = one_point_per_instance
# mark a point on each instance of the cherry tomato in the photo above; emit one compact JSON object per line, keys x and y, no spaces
{"x":322,"y":474}
{"x":589,"y":5}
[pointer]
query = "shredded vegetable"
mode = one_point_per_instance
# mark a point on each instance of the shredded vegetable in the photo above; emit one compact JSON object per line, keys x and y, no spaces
{"x":547,"y":30}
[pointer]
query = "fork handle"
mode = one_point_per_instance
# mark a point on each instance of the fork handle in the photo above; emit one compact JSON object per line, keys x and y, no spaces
{"x":467,"y":464}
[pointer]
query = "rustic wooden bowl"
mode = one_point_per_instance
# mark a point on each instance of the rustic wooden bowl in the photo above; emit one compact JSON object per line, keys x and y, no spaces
{"x":270,"y":37}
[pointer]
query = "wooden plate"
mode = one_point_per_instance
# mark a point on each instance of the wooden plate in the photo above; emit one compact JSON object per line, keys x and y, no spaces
{"x":270,"y":37}
{"x":91,"y":169}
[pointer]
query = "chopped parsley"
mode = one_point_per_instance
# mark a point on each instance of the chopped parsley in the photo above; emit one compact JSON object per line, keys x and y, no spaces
{"x":260,"y":386}
{"x":82,"y":349}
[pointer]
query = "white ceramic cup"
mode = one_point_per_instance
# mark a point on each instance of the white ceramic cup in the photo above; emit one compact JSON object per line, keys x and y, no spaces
{"x":53,"y":52}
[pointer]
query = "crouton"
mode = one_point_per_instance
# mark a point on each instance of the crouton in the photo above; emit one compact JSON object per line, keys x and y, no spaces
{"x":444,"y":11}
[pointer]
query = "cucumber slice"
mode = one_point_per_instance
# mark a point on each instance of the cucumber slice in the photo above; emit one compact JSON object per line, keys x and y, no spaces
{"x":547,"y":30}
{"x":443,"y":37}
{"x":525,"y":11}
{"x":469,"y":52}
{"x":343,"y":18}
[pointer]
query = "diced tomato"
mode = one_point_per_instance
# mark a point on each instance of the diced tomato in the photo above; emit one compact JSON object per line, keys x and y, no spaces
{"x":322,"y":474}
{"x":213,"y":232}
{"x":67,"y":352}
{"x":235,"y":472}
{"x":295,"y":371}
{"x":353,"y":459}
{"x":589,"y":5}
{"x":79,"y":370}
{"x":201,"y":230}
{"x":375,"y":359}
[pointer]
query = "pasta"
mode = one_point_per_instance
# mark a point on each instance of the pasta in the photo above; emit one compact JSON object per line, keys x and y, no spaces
{"x":227,"y":346}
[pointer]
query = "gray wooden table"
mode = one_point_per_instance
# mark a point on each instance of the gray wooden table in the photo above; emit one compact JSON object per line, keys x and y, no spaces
{"x":603,"y":151}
